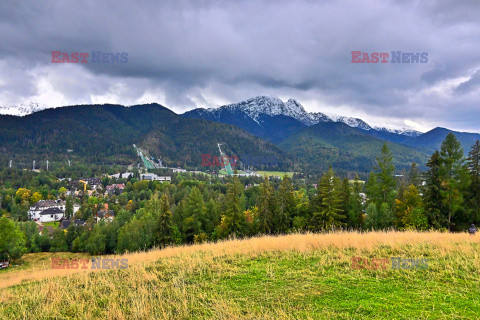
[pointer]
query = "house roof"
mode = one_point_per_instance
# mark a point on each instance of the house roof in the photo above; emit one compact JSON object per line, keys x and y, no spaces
{"x":65,"y":223}
{"x":48,"y":203}
{"x":53,"y":210}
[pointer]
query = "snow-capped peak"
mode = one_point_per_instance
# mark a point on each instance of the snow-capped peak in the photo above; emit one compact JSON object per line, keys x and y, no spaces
{"x":253,"y":107}
{"x":403,"y":132}
{"x":352,"y":122}
{"x":22,"y":109}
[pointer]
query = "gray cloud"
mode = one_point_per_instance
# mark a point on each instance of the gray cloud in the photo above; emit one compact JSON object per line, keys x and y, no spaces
{"x":206,"y":53}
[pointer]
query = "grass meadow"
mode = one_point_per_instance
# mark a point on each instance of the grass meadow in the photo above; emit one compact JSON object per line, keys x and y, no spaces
{"x":299,"y":276}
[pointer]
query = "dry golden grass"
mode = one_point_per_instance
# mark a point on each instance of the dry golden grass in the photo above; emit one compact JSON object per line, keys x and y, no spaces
{"x":293,"y":242}
{"x":183,"y":282}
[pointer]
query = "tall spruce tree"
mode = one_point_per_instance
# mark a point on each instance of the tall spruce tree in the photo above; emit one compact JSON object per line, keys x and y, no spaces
{"x":414,"y":175}
{"x":195,"y":214}
{"x":234,"y":221}
{"x":345,"y":195}
{"x":330,"y":211}
{"x":164,"y":222}
{"x":374,"y":193}
{"x":266,"y":208}
{"x":286,"y":205}
{"x":385,"y":178}
{"x":355,"y":206}
{"x":453,"y":174}
{"x":433,"y":196}
{"x":474,"y":187}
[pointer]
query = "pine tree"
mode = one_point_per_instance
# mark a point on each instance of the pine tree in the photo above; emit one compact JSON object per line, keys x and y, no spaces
{"x":195,"y":214}
{"x":474,"y":187}
{"x":329,"y":195}
{"x":372,"y":219}
{"x":453,"y":174}
{"x":286,"y":205}
{"x":234,"y":221}
{"x":355,"y":207}
{"x":433,"y":196}
{"x":164,"y":222}
{"x":266,"y":208}
{"x":345,"y":195}
{"x":386,"y":216}
{"x":385,"y":177}
{"x":212,"y":215}
{"x":414,"y":175}
{"x":374,"y":193}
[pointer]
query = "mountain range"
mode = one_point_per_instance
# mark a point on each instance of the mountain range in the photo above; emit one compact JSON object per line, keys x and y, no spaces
{"x":346,"y":143}
{"x":260,"y":126}
{"x":105,"y":134}
{"x":266,"y":117}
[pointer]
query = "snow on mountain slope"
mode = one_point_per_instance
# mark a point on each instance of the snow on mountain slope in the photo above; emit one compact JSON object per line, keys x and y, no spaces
{"x":22,"y":109}
{"x":253,"y":107}
{"x":352,"y":122}
{"x":270,"y":106}
{"x":403,"y":132}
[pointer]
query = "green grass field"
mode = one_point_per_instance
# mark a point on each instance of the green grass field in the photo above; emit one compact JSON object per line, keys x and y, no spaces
{"x":54,"y":224}
{"x":279,"y":174}
{"x":289,"y":277}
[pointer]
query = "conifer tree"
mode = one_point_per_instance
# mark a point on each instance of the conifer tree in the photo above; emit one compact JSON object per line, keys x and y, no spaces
{"x":233,"y":221}
{"x":433,"y":196}
{"x":266,"y":208}
{"x":195,"y":214}
{"x":474,"y":187}
{"x":385,"y":178}
{"x":164,"y":222}
{"x":286,"y":205}
{"x":345,"y":195}
{"x":329,"y":195}
{"x":453,"y":174}
{"x":414,"y":175}
{"x":373,"y":190}
{"x":355,"y":207}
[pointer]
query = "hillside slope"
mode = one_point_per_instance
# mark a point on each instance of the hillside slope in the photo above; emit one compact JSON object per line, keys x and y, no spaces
{"x":345,"y":148}
{"x":106,"y":133}
{"x":309,"y":276}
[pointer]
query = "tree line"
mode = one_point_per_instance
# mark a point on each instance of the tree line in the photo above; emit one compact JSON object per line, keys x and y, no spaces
{"x":196,"y":209}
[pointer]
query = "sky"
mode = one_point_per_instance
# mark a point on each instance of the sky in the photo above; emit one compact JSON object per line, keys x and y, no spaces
{"x":189,"y":54}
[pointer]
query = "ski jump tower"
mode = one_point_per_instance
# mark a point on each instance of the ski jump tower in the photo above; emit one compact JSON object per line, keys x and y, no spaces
{"x":225,"y":161}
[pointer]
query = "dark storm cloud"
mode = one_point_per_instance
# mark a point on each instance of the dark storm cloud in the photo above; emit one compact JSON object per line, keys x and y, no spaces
{"x":470,"y":85}
{"x":204,"y":53}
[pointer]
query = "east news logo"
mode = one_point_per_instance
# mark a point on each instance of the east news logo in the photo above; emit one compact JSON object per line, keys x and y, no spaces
{"x":96,"y":263}
{"x":383,"y":57}
{"x":83,"y":57}
{"x":397,"y":263}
